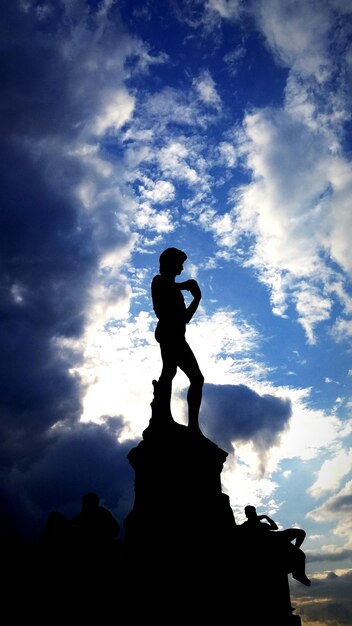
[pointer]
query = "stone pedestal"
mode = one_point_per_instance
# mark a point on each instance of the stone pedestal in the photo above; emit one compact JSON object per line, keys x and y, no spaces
{"x":178,"y":497}
{"x":261,"y":580}
{"x":186,"y":556}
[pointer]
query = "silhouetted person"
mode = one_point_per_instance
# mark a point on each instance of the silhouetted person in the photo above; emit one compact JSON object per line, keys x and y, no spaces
{"x":94,"y":527}
{"x":254,"y":521}
{"x":173,"y":316}
{"x":56,"y":533}
{"x":295,"y":558}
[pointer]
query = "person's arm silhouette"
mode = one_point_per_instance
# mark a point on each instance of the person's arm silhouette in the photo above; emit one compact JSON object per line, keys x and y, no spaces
{"x":193,"y":287}
{"x":272,"y":525}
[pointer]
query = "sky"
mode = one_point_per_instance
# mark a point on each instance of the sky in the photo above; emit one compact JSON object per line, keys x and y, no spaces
{"x":220,"y":127}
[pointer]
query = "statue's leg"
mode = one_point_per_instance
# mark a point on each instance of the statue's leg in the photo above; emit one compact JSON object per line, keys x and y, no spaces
{"x":298,"y":570}
{"x":163,"y":388}
{"x":194,"y":400}
{"x":294,"y":534}
{"x":300,"y":537}
{"x":297,"y":563}
{"x":188,"y":363}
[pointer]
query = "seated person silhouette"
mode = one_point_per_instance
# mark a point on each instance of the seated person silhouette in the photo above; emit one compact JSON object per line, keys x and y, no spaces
{"x":294,"y":557}
{"x":94,"y":527}
{"x":173,"y":316}
{"x":254,"y":521}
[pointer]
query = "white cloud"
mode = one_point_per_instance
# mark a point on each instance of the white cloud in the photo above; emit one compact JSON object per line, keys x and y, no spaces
{"x":114,"y":360}
{"x":340,"y":289}
{"x":170,"y":105}
{"x":222,"y":343}
{"x":150,"y":219}
{"x":342,"y":329}
{"x":312,"y":308}
{"x":205,"y":86}
{"x":311,"y":431}
{"x":292,"y":207}
{"x":173,"y":162}
{"x":145,"y":60}
{"x":223,"y":227}
{"x":228,"y":153}
{"x":319,"y":109}
{"x":337,"y":509}
{"x":340,"y":215}
{"x":331,"y":473}
{"x":228,"y":9}
{"x":103,"y":194}
{"x":243,"y":485}
{"x":158,"y":191}
{"x":297,"y":206}
{"x":297,"y":33}
{"x":110,"y":294}
{"x":233,"y":58}
{"x":116,"y":109}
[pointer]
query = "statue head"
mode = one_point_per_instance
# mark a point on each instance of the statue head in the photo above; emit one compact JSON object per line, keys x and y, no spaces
{"x":171,"y":260}
{"x":90,"y":501}
{"x":250,"y":511}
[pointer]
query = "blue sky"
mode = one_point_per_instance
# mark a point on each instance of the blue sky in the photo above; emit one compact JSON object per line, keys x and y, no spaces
{"x":220,"y":127}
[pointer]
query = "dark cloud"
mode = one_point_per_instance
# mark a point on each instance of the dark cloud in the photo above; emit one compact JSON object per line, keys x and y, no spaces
{"x":237,"y":413}
{"x":338,"y":555}
{"x":50,"y":248}
{"x":341,"y":503}
{"x":329,"y":600}
{"x":57,"y":65}
{"x":72,"y":461}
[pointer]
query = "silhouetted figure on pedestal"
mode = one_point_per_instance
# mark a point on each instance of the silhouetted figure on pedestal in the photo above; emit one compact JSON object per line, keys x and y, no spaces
{"x":95,"y":527}
{"x":254,"y":521}
{"x":97,"y":555}
{"x":290,"y":534}
{"x":173,"y":316}
{"x":56,"y":533}
{"x":294,"y":557}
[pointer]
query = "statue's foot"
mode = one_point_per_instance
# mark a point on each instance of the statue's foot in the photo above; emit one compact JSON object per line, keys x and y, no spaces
{"x":195,"y":431}
{"x":302,"y":578}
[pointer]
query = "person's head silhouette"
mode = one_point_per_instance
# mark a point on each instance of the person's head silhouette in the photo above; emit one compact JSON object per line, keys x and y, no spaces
{"x":90,"y":502}
{"x":250,"y":511}
{"x":171,"y":261}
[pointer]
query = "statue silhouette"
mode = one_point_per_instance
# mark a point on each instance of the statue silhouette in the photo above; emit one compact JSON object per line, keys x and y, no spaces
{"x":94,"y":527}
{"x":294,"y":558}
{"x":79,"y":565}
{"x":173,"y":316}
{"x":254,"y":521}
{"x":56,"y":530}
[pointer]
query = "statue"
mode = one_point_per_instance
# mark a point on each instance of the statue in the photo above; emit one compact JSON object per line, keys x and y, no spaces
{"x":263,"y":528}
{"x":173,"y":316}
